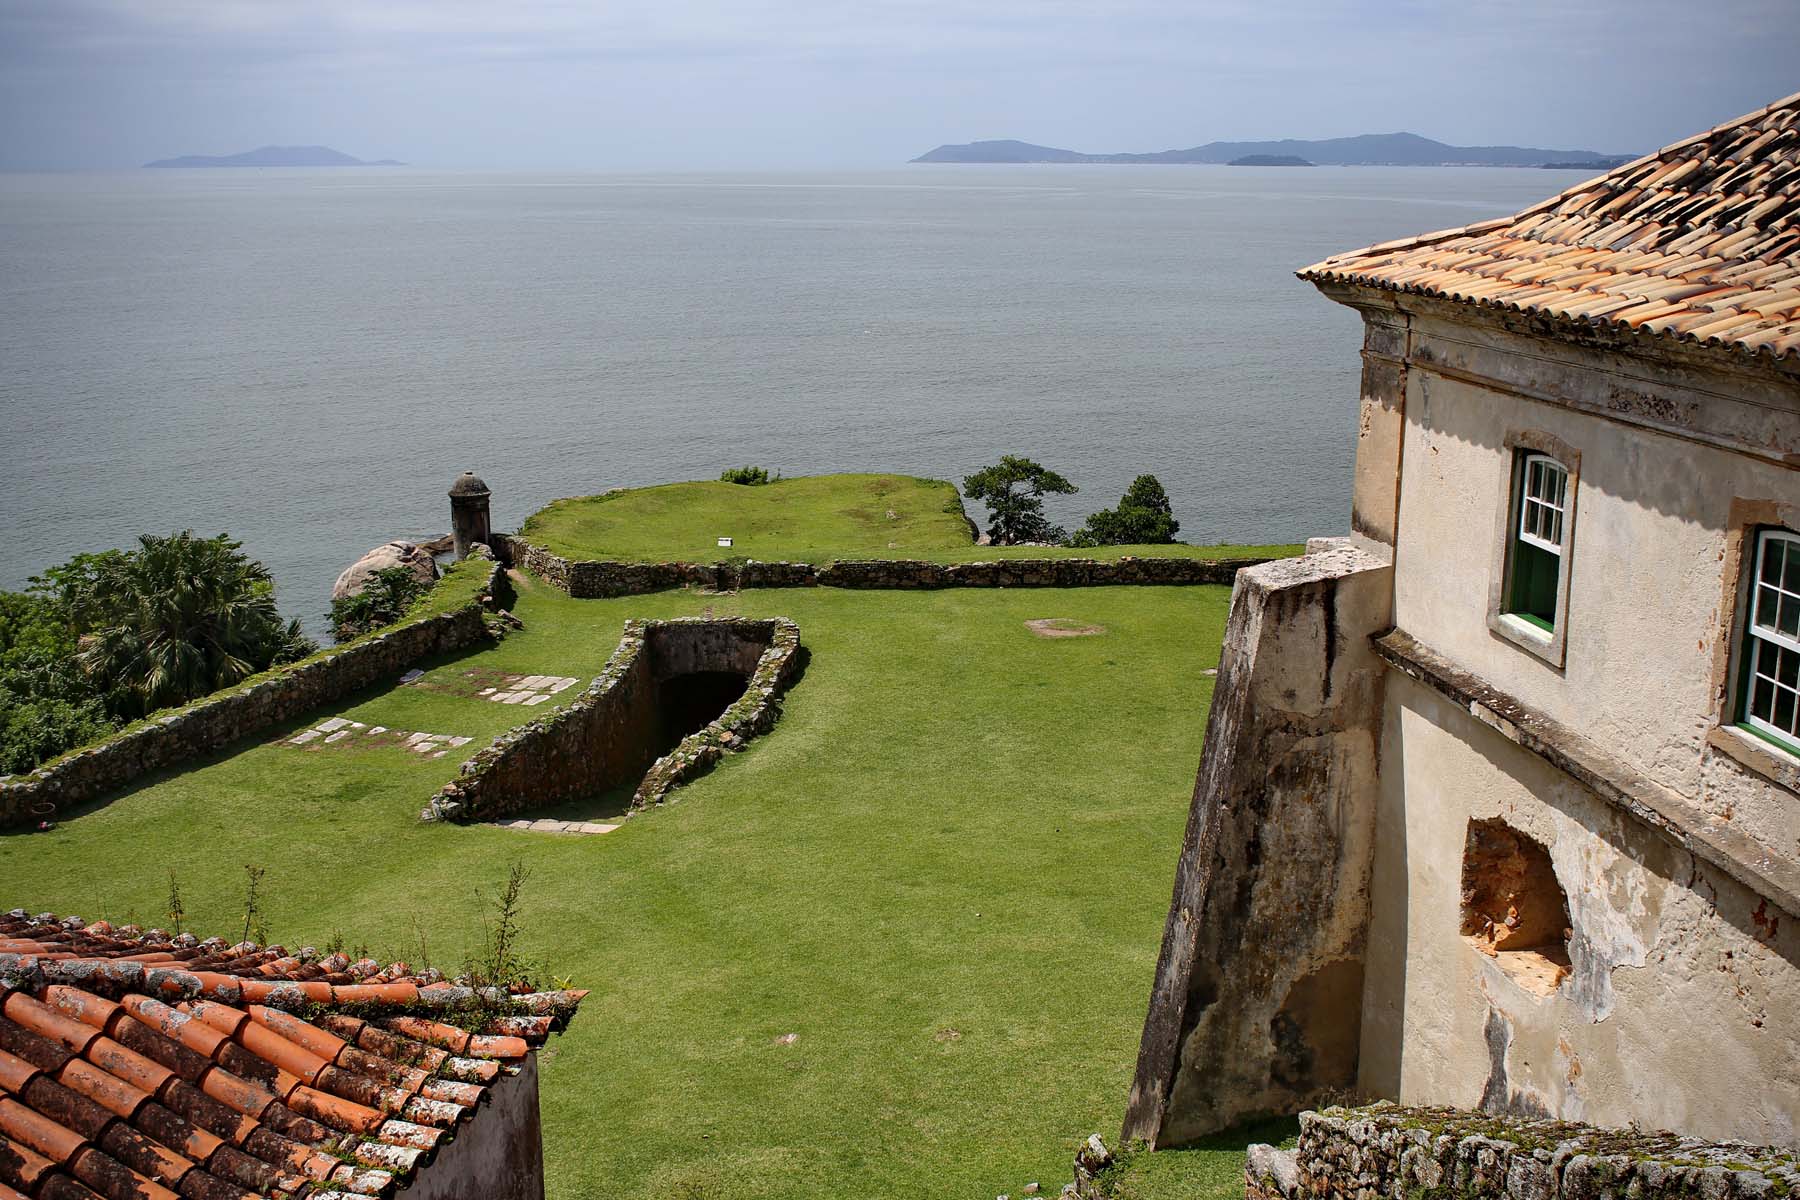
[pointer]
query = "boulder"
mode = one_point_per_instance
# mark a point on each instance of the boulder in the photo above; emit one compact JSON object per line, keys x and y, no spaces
{"x":395,"y":554}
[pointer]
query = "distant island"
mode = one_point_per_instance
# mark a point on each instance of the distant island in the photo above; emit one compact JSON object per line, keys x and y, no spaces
{"x":275,"y":156}
{"x":1270,"y":160}
{"x":1364,"y":150}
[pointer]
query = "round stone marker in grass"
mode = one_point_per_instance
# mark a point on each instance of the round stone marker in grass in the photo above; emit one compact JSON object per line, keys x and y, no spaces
{"x":1062,"y":627}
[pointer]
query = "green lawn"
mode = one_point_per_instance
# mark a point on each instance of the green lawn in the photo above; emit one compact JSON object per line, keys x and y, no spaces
{"x":1211,"y":1170}
{"x":815,"y":519}
{"x":946,"y":870}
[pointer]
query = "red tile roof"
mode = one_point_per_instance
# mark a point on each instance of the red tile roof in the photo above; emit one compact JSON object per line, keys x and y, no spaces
{"x":139,"y":1064}
{"x":1698,"y":242}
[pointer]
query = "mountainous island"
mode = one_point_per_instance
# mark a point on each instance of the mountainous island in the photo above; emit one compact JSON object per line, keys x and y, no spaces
{"x":1363,"y":150}
{"x":275,"y":156}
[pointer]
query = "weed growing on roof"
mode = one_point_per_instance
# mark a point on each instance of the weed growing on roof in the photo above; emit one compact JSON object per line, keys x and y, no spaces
{"x":500,"y":963}
{"x":177,"y":912}
{"x":253,"y":920}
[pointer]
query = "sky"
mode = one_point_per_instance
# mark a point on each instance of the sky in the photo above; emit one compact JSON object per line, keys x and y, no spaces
{"x":820,"y":84}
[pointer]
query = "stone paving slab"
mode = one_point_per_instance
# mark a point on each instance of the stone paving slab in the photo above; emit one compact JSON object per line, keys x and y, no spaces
{"x":550,"y":825}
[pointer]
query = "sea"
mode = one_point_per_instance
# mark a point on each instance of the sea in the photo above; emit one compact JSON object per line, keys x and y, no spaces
{"x":305,"y":359}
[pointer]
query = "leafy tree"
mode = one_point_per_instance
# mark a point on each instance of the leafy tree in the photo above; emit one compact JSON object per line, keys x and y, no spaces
{"x":46,"y":704}
{"x":1144,"y":518}
{"x":386,"y":597}
{"x":1013,"y":490}
{"x":177,"y":618}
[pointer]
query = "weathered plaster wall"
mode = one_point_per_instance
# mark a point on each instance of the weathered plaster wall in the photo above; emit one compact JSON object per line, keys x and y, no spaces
{"x":597,"y":579}
{"x":1682,"y":1009}
{"x":1649,"y":624}
{"x":608,"y":736}
{"x":500,"y":1155}
{"x":1257,"y":995}
{"x":222,"y":718}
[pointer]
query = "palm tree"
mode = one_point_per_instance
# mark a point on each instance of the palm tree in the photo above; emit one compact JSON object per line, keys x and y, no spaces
{"x":177,"y":618}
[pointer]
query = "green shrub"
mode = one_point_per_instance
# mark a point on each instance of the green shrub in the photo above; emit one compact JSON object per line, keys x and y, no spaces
{"x":388,"y":595}
{"x":748,"y":476}
{"x":1144,"y":518}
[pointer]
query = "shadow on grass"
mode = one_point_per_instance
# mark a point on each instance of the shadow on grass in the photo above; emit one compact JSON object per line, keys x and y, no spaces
{"x":1210,"y":1169}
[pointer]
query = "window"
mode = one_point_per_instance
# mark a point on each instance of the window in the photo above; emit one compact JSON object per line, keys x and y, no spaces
{"x":1770,"y":699}
{"x":1535,"y":566}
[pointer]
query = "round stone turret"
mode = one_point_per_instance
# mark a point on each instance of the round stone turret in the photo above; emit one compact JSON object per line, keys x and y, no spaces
{"x":468,"y":512}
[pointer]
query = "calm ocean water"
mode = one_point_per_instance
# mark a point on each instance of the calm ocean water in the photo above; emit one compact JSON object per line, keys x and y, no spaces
{"x":306,"y":358}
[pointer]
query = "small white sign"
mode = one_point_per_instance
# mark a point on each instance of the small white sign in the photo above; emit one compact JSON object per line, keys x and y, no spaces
{"x":724,"y":541}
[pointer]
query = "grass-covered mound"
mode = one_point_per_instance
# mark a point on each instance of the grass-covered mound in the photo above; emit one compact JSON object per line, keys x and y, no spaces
{"x":816,"y":519}
{"x":946,"y":871}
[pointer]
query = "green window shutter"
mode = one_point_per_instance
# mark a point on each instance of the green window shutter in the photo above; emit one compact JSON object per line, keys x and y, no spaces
{"x":1539,"y":533}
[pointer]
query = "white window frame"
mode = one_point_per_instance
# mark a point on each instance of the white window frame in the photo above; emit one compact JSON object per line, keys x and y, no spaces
{"x":1549,"y":513}
{"x":1509,"y":529}
{"x":1760,"y":639}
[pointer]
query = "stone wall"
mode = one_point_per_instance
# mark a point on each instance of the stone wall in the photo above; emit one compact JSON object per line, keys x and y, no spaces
{"x":1257,"y":1002}
{"x":588,"y":580}
{"x":605,"y":738}
{"x":224,"y":717}
{"x":1385,"y":1152}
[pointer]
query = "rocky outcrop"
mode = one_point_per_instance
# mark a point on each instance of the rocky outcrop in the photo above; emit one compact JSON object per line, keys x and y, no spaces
{"x":394,"y":554}
{"x":1386,"y":1152}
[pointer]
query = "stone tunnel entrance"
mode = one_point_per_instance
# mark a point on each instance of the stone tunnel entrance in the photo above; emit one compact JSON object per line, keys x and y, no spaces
{"x":674,"y":698}
{"x":686,"y":704}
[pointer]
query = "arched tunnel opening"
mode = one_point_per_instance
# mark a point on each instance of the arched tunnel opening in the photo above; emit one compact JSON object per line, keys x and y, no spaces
{"x":689,"y":702}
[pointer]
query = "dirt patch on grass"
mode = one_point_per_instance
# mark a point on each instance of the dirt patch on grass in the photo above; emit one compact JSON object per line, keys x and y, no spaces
{"x":1063,"y":627}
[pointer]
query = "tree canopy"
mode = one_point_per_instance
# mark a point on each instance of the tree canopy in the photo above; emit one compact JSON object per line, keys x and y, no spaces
{"x":1012,"y":490}
{"x":1144,"y":517}
{"x":172,"y":620}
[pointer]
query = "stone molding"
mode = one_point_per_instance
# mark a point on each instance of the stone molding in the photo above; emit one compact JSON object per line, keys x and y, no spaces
{"x":592,"y":744}
{"x":1386,"y":1152}
{"x":593,"y":579}
{"x":224,"y":717}
{"x":1624,"y":787}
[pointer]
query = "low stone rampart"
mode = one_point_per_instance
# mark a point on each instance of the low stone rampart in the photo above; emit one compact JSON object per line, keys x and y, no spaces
{"x":222,"y":718}
{"x":1386,"y":1152}
{"x":596,"y":579}
{"x":605,"y":738}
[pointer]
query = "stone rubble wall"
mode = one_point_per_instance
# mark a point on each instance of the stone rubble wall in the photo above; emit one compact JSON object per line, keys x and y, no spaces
{"x":603,"y":739}
{"x":1386,"y":1152}
{"x":217,"y":721}
{"x":753,"y":713}
{"x":589,"y":580}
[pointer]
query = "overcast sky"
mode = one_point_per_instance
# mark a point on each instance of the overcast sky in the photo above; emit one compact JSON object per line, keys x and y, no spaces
{"x":827,"y":83}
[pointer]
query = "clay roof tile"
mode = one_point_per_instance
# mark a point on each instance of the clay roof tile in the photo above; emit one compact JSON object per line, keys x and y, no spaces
{"x":1719,"y":207}
{"x":151,"y":1064}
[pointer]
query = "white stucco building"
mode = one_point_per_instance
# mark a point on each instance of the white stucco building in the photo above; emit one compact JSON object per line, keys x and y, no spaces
{"x":1501,"y":798}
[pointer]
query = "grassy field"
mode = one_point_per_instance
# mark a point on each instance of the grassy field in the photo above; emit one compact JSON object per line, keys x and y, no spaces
{"x":946,"y":871}
{"x":816,"y":519}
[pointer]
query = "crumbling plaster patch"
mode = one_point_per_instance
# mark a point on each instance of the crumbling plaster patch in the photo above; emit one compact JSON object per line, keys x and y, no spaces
{"x":1683,"y":1011}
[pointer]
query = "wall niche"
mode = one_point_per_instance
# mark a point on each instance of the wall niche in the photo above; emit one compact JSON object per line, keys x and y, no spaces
{"x":1513,"y":908}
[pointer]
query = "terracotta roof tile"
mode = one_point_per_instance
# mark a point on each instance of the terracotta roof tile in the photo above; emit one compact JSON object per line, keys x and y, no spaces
{"x":152,"y":1065}
{"x":1699,"y":242}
